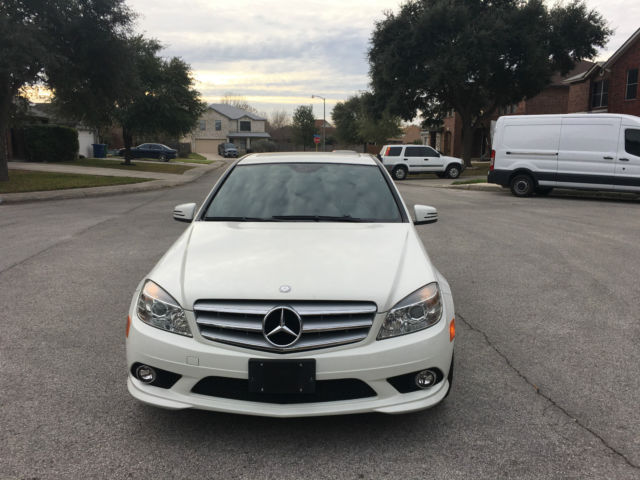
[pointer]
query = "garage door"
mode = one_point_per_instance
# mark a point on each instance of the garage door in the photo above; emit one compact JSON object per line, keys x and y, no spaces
{"x":207,"y":146}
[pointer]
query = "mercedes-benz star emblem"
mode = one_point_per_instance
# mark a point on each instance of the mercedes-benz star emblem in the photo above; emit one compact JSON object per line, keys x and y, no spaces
{"x":282,"y":327}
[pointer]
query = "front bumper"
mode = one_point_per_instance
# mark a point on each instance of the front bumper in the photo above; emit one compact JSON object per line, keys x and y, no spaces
{"x":369,"y":361}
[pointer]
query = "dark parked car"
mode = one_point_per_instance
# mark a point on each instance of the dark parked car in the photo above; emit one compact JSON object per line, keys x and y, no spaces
{"x":152,"y":150}
{"x":227,"y":150}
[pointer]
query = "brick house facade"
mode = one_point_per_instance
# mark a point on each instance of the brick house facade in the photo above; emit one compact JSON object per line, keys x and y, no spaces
{"x":610,"y":86}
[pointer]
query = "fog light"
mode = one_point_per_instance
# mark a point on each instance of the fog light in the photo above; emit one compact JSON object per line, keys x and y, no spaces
{"x":146,"y":374}
{"x":425,"y":378}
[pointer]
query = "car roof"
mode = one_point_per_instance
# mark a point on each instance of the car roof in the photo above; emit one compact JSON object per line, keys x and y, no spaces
{"x":406,"y":145}
{"x":310,"y":157}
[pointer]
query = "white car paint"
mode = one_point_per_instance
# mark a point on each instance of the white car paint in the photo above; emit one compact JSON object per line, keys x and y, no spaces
{"x":401,"y":160}
{"x":368,"y":262}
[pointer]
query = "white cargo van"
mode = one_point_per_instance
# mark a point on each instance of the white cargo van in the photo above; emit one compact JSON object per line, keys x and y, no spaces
{"x":535,"y":153}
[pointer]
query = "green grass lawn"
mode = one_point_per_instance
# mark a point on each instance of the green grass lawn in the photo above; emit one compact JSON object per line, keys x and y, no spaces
{"x":193,"y":158}
{"x":31,"y":181}
{"x":160,"y":167}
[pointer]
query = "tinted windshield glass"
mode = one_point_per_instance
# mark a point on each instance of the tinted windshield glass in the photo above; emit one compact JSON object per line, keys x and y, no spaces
{"x":305,"y":192}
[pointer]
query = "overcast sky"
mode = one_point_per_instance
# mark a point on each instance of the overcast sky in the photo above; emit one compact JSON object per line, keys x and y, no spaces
{"x":279,"y":53}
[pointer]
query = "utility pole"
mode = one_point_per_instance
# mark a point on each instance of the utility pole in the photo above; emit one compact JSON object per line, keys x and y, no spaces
{"x":324,"y":114}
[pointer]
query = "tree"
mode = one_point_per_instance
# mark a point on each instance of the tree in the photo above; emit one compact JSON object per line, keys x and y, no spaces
{"x":474,"y":56}
{"x":357,"y":122}
{"x":237,"y":101}
{"x":40,"y":37}
{"x":276,"y":126}
{"x":157,"y":97}
{"x":304,"y":126}
{"x":279,"y":119}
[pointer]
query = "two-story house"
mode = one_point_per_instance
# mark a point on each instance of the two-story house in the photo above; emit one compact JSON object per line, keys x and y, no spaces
{"x":610,"y":86}
{"x":223,"y":123}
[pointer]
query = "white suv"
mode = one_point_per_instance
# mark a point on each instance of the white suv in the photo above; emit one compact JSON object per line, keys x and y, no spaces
{"x":401,"y":160}
{"x":299,"y":288}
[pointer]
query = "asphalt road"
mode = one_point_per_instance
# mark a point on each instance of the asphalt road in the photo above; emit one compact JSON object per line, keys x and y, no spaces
{"x":547,"y":378}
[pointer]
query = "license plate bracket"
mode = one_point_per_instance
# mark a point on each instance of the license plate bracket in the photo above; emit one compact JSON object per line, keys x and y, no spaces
{"x":282,"y":376}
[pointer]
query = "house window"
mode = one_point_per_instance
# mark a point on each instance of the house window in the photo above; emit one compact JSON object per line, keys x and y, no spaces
{"x":508,"y":109}
{"x":600,"y":96}
{"x":203,"y":124}
{"x":218,"y":125}
{"x":632,"y":84}
{"x":245,"y":126}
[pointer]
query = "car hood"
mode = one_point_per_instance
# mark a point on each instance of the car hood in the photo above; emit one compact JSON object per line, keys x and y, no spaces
{"x":376,"y":262}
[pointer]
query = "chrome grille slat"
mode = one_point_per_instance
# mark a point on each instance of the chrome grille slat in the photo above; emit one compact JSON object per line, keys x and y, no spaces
{"x":327,"y":325}
{"x":230,"y":322}
{"x":324,"y":324}
{"x":233,"y":337}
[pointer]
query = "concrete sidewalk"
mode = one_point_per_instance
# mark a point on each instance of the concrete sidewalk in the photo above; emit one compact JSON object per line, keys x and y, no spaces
{"x":158,"y":180}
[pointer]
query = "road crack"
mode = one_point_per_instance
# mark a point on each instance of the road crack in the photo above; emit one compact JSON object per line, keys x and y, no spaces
{"x":545,"y":396}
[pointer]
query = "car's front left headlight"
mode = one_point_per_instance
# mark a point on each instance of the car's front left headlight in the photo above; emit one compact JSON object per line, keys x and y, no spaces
{"x":417,"y":311}
{"x":159,"y":309}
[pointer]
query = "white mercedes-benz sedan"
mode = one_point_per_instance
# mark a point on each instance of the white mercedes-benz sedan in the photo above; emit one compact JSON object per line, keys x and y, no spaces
{"x":300,"y":287}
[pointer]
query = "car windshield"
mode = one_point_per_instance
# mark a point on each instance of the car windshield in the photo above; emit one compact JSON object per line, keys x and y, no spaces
{"x":316,"y":192}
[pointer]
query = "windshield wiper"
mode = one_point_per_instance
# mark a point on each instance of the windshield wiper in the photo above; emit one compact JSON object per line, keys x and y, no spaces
{"x":320,"y":218}
{"x":239,"y":219}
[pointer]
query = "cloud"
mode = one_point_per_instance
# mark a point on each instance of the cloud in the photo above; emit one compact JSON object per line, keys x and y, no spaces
{"x":280,"y":52}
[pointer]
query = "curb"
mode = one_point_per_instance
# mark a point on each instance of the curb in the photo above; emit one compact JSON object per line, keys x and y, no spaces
{"x":485,"y":187}
{"x":186,"y":177}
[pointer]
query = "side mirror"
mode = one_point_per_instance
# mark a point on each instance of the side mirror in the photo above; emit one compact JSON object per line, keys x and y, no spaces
{"x":424,"y":214}
{"x":184,"y":212}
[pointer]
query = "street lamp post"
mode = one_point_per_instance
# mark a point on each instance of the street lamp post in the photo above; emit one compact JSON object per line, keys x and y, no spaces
{"x":324,"y":113}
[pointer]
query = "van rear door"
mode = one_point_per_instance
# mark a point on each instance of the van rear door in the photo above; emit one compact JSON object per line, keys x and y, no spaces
{"x":588,"y":151}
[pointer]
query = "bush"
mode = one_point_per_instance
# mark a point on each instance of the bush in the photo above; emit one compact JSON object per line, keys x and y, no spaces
{"x":51,"y":143}
{"x":260,"y":146}
{"x":184,"y":149}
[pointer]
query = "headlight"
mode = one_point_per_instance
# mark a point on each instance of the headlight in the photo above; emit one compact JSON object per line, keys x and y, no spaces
{"x":420,"y":310}
{"x":158,"y":309}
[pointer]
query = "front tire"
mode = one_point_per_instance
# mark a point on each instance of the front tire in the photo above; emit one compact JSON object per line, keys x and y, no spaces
{"x":522,"y":185}
{"x":400,"y":172}
{"x":163,"y":158}
{"x":453,"y":171}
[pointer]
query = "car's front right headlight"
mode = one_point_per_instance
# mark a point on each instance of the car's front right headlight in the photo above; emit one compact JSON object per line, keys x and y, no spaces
{"x":159,"y":309}
{"x":417,"y":311}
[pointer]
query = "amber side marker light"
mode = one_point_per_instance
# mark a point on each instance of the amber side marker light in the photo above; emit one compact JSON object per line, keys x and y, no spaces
{"x":128,"y":325}
{"x":452,"y":330}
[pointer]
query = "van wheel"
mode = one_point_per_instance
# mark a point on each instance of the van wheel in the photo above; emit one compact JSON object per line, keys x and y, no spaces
{"x":543,"y":191}
{"x":400,"y":173}
{"x":522,"y":185}
{"x":453,"y":171}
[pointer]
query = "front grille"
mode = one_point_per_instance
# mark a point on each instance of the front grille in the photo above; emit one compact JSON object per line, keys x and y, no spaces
{"x":324,"y":324}
{"x":326,"y":391}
